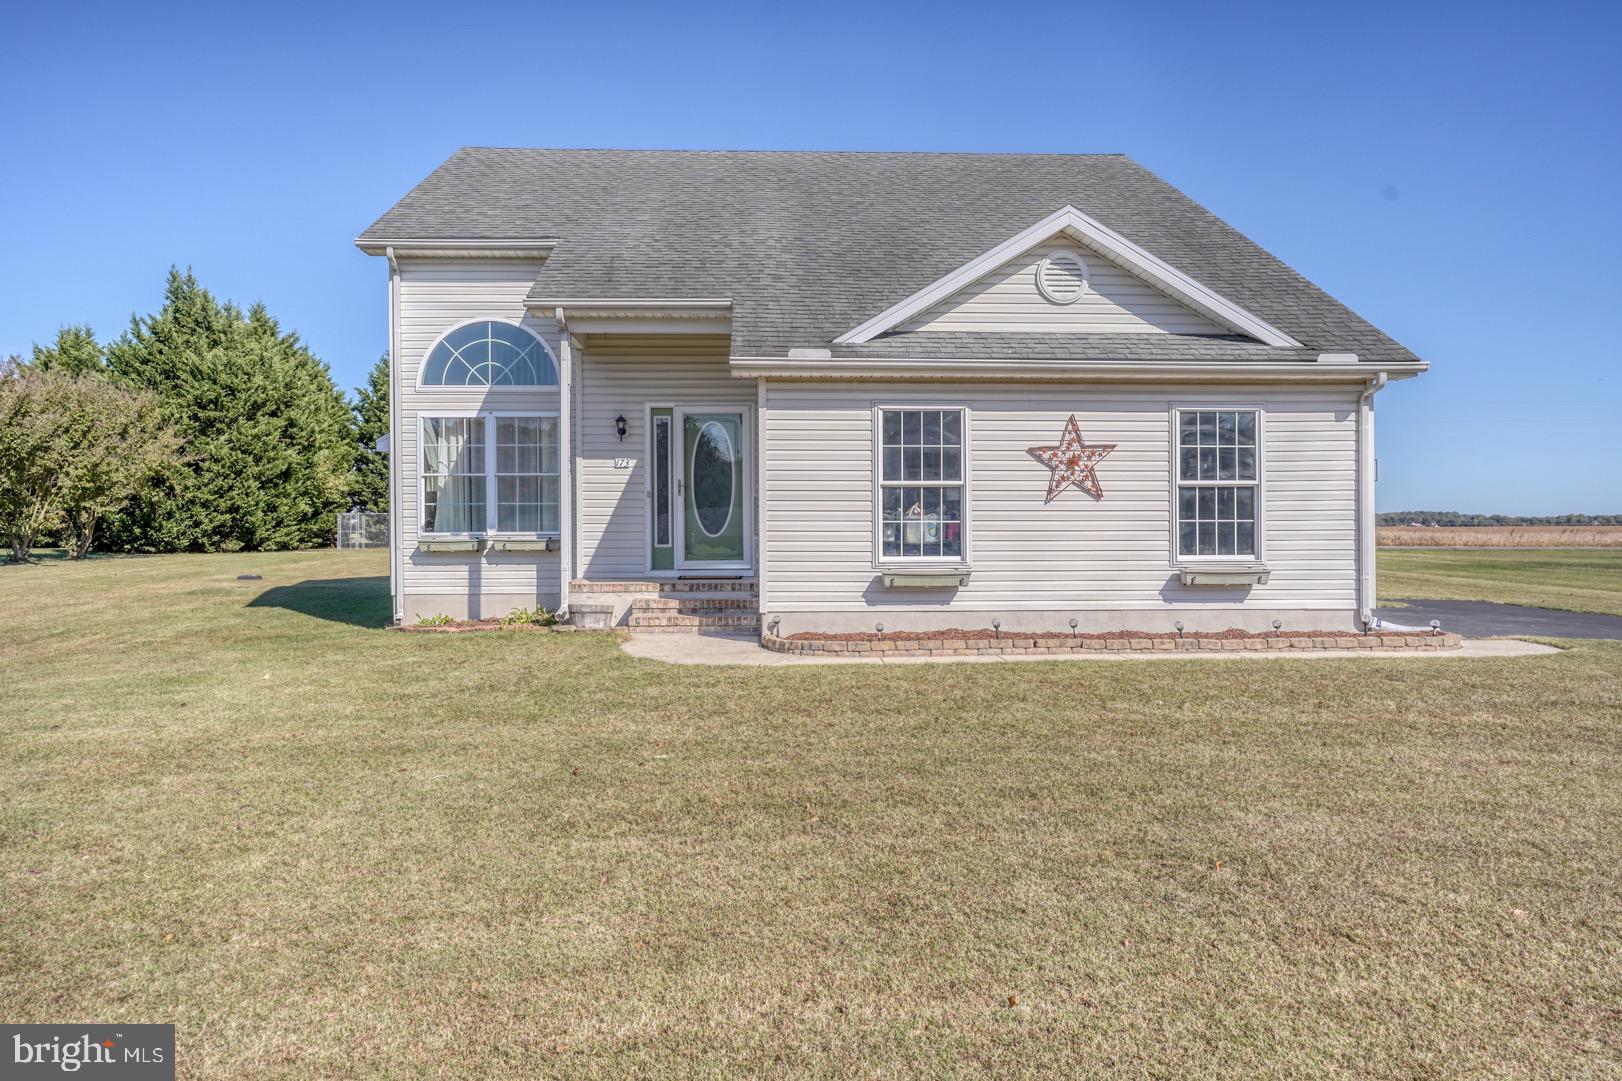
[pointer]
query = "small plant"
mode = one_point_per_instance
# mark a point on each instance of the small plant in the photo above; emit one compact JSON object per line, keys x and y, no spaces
{"x":438,"y":619}
{"x":534,"y":617}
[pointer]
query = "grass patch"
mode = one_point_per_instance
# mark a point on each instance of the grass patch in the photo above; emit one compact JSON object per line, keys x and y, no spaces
{"x":1571,"y":580}
{"x":324,"y":850}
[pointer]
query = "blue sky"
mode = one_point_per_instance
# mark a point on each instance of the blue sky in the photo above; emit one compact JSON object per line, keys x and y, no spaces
{"x":1451,"y":172}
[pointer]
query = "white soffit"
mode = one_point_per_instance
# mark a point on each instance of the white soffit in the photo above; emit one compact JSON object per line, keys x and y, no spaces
{"x":1108,"y":243}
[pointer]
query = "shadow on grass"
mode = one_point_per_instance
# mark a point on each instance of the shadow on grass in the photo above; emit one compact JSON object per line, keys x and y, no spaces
{"x":359,"y":602}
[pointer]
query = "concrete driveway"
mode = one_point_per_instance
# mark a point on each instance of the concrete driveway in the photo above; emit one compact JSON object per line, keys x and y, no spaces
{"x":1481,"y":619}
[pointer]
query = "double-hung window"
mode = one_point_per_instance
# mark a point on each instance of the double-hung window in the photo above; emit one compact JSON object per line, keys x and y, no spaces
{"x":490,"y":474}
{"x":1218,"y":456}
{"x":921,"y":497}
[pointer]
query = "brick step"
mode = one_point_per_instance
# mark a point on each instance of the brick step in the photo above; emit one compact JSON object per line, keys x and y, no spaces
{"x":667,"y":585}
{"x":695,"y":602}
{"x":720,"y":585}
{"x":738,"y":621}
{"x":742,"y":634}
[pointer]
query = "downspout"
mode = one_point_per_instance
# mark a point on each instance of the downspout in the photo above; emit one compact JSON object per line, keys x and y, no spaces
{"x":396,"y":497}
{"x":566,"y":530}
{"x":1365,"y":499}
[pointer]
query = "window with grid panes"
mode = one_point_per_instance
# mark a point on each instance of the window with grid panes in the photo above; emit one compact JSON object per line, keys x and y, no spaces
{"x":1218,"y":482}
{"x":921,"y":484}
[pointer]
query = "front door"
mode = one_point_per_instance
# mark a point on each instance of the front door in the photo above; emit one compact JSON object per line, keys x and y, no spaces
{"x":712,"y":481}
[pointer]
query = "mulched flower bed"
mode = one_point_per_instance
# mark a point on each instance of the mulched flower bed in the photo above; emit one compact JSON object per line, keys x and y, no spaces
{"x":462,"y":625}
{"x":959,"y":634}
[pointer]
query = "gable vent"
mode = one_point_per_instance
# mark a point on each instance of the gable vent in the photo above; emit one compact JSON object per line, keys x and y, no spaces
{"x":1061,"y":276}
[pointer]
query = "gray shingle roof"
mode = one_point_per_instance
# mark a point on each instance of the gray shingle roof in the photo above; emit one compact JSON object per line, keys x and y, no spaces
{"x":811,"y":244}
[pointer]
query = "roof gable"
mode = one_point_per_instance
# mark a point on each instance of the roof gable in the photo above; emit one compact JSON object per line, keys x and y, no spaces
{"x":1068,"y":222}
{"x":1095,"y":297}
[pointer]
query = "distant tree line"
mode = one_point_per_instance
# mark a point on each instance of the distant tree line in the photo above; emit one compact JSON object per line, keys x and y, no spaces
{"x":1455,"y":518}
{"x":202,"y":428}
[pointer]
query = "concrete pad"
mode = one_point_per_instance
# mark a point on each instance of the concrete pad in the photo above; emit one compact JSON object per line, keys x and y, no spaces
{"x":733,"y":649}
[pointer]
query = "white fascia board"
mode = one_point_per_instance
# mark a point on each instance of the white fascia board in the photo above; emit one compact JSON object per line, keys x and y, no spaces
{"x":719,"y":304}
{"x":1109,"y":243}
{"x":640,"y":316}
{"x":529,"y":248}
{"x":664,"y":324}
{"x":1221,"y":371}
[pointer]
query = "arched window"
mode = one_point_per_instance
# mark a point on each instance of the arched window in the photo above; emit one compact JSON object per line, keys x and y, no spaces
{"x":490,"y":354}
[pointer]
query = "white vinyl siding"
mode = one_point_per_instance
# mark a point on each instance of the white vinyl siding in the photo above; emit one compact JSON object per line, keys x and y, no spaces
{"x":618,"y":376}
{"x":1116,"y":302}
{"x":435,"y":296}
{"x":1076,"y":553}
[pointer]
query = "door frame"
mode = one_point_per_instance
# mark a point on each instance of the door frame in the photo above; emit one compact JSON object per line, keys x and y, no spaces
{"x":678,"y":428}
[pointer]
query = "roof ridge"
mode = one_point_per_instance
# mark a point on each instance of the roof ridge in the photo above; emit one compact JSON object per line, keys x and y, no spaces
{"x":806,"y":152}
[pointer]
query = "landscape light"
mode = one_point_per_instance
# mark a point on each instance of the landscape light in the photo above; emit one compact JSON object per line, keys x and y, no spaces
{"x":1072,"y":626}
{"x":1179,"y":626}
{"x":996,"y":627}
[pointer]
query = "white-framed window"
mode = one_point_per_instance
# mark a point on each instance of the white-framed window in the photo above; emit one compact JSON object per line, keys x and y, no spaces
{"x":489,"y":353}
{"x":922,"y":460}
{"x":1217,"y":453}
{"x":490,"y":473}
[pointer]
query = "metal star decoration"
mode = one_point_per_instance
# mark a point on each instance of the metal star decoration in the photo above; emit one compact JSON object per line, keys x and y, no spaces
{"x":1072,"y":462}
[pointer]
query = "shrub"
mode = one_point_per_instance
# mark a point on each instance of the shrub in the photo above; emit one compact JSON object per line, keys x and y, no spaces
{"x":73,"y":448}
{"x":536,"y":617}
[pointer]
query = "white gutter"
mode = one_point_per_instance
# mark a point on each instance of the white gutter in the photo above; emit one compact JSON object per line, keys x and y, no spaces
{"x":401,"y":246}
{"x":396,"y":533}
{"x":1365,"y":498}
{"x":624,"y":302}
{"x":1025,"y":368}
{"x":567,"y":524}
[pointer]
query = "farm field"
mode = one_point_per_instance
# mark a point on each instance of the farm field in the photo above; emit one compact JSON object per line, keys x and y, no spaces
{"x":1510,"y":536}
{"x":324,"y":850}
{"x":1573,"y":580}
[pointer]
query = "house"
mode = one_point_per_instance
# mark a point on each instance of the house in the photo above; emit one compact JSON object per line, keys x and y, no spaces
{"x":821,"y":391}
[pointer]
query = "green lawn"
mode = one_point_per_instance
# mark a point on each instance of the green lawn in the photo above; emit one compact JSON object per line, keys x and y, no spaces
{"x":327,"y":850}
{"x":1572,"y":579}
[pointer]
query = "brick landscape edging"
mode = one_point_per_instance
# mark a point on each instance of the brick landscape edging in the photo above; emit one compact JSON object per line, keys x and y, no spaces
{"x":900,"y":645}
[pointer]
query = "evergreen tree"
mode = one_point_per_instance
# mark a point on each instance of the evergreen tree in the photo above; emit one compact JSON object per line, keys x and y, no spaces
{"x":369,"y":484}
{"x":268,"y":438}
{"x":75,"y":352}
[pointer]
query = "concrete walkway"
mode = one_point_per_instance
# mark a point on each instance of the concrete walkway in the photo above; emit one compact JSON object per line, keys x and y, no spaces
{"x":1477,"y":619}
{"x":732,"y":649}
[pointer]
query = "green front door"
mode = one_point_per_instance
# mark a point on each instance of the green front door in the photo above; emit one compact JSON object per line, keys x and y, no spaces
{"x":713,"y":474}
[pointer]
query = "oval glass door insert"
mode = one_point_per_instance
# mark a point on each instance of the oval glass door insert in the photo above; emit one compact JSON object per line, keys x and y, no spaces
{"x":712,"y":453}
{"x":711,"y":475}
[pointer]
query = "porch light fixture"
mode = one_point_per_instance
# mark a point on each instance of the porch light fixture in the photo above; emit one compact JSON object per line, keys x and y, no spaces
{"x":619,"y":426}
